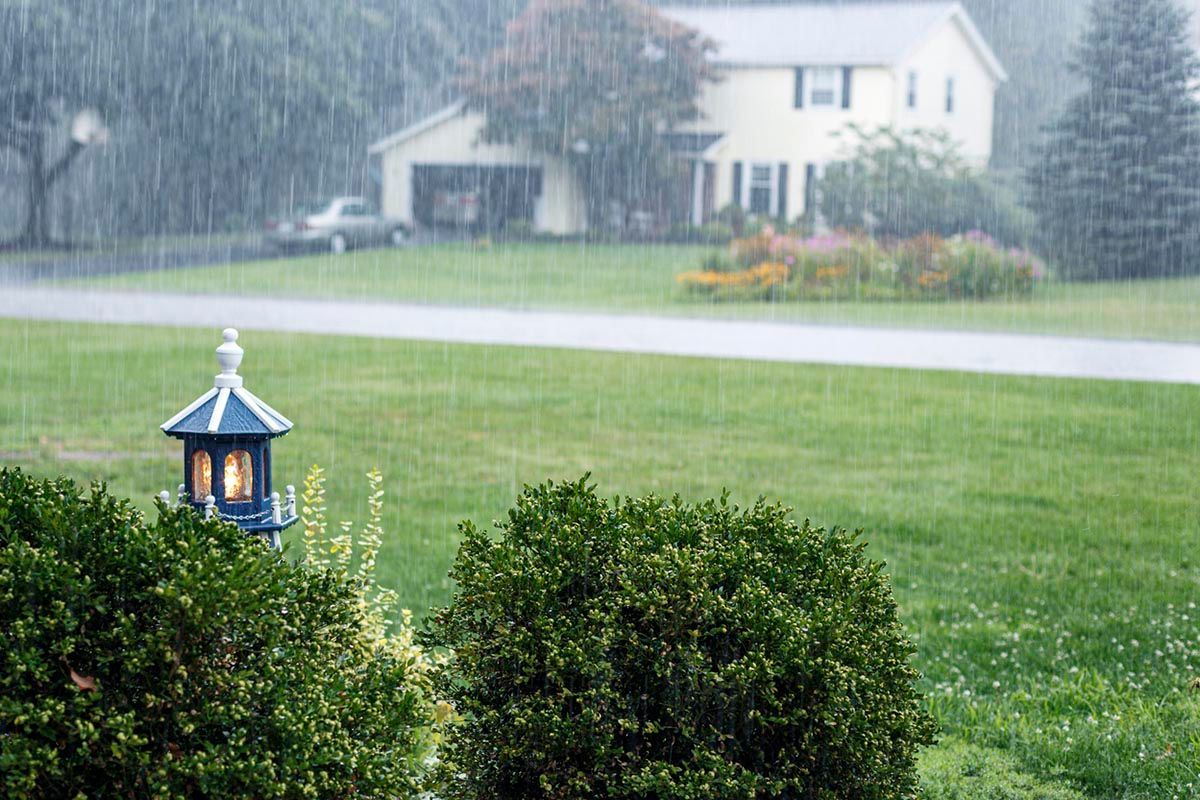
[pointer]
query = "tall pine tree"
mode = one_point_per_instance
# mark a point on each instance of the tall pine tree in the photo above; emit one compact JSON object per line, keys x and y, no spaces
{"x":1117,"y":186}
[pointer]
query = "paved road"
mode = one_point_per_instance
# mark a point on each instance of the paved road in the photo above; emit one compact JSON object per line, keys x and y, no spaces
{"x":765,"y":341}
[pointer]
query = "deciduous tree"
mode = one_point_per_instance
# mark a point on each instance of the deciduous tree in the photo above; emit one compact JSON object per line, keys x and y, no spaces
{"x":235,"y":105}
{"x":596,"y":82}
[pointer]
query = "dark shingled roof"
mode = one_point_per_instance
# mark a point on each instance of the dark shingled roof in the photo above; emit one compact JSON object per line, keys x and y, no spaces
{"x":237,"y":419}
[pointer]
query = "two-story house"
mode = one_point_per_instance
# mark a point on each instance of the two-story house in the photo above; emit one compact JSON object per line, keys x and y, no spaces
{"x":792,"y":76}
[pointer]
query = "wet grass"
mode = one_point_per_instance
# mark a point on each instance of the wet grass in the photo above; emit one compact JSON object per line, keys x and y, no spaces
{"x":641,"y":279}
{"x":1041,"y":534}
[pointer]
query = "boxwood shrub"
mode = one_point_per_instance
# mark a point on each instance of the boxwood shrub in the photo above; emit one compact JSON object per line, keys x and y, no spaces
{"x":180,"y":658}
{"x":644,"y":648}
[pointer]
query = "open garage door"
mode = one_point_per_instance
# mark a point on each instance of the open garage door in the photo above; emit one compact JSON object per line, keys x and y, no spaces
{"x":478,"y":198}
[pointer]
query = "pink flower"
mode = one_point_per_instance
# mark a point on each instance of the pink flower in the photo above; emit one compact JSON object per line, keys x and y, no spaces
{"x":1027,"y":260}
{"x":828,"y":243}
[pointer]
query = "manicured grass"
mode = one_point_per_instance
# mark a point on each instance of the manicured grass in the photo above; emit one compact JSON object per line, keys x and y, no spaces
{"x":1041,"y":534}
{"x":641,"y":279}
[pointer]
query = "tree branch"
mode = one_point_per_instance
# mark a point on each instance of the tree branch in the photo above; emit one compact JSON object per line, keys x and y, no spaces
{"x":60,"y":167}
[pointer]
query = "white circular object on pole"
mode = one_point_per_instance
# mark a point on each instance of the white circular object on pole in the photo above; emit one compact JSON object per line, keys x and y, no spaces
{"x":88,"y":128}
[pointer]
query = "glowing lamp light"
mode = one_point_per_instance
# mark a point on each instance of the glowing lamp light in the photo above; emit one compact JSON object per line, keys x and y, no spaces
{"x":231,"y":427}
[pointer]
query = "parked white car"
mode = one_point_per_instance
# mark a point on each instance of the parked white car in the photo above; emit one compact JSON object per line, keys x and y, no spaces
{"x":461,"y":209}
{"x":335,"y":225}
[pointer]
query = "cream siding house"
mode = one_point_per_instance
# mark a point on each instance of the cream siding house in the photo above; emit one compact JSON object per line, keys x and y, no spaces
{"x":792,"y":77}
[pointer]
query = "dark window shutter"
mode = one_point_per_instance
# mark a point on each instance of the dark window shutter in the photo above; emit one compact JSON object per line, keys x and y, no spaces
{"x":847,"y":74}
{"x":798,"y":100}
{"x":782,"y":189}
{"x":810,"y":190}
{"x":737,"y":183}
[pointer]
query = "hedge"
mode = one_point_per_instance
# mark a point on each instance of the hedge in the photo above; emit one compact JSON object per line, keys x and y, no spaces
{"x":180,"y":658}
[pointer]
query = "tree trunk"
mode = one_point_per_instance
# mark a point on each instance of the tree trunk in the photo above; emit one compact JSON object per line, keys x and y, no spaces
{"x":41,"y":178}
{"x":37,"y":223}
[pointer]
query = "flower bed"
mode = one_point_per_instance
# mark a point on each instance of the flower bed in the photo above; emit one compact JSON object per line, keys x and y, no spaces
{"x":840,"y":266}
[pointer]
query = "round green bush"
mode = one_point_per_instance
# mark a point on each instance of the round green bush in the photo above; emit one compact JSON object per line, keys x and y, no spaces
{"x":183,"y":659}
{"x":653,"y":649}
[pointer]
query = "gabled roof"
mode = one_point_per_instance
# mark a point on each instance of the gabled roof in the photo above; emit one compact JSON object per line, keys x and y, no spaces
{"x":228,"y":409}
{"x":858,"y":34}
{"x":417,"y":128}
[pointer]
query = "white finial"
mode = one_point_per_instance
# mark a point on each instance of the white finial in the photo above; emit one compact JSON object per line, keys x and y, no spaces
{"x":229,"y":356}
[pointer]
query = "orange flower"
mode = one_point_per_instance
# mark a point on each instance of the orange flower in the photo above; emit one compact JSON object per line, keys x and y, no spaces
{"x":832,"y":273}
{"x":932,"y":279}
{"x":765,"y":275}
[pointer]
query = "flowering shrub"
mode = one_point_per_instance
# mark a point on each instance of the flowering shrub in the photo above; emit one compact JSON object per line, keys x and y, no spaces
{"x":843,"y":266}
{"x":381,"y":629}
{"x":647,"y":648}
{"x":182,"y":658}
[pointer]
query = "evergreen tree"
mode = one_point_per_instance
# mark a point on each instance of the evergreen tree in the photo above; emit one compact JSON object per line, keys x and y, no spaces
{"x":1118,"y":184}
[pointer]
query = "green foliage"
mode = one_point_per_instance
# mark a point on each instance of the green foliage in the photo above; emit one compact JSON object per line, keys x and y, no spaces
{"x":1117,"y":187}
{"x":653,"y":649}
{"x":220,"y":110}
{"x":597,"y":83}
{"x":903,"y":184}
{"x":182,"y":658}
{"x":957,"y":771}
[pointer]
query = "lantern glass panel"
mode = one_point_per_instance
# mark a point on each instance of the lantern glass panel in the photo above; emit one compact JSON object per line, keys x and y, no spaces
{"x":239,"y":477}
{"x":201,"y":476}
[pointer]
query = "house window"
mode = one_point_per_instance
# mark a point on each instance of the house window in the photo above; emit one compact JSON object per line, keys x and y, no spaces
{"x":950,"y":95}
{"x":761,"y":185}
{"x":201,"y":476}
{"x":912,"y":90}
{"x":824,"y":86}
{"x":239,"y":477}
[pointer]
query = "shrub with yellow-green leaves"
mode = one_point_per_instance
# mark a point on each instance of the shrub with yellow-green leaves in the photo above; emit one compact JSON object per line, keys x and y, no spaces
{"x":650,"y":649}
{"x":180,"y":658}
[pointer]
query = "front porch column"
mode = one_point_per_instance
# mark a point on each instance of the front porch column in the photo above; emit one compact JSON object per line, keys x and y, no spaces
{"x":698,"y":192}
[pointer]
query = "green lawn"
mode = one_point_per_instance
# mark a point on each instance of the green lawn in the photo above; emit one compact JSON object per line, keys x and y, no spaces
{"x":1041,"y":534}
{"x":641,"y":279}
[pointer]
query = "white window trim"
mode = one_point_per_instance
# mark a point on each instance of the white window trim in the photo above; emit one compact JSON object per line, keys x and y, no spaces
{"x":810,"y":85}
{"x":748,"y":182}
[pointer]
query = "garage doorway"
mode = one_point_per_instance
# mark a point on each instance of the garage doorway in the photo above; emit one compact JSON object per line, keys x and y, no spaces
{"x":475,"y":198}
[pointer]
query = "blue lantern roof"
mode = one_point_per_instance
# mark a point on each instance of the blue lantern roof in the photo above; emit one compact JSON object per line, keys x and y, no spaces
{"x":228,"y":409}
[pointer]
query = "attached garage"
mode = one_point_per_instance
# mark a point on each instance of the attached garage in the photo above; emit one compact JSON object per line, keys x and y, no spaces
{"x":440,"y":172}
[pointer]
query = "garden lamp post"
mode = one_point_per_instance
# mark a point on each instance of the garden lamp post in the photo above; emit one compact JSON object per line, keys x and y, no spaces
{"x":227,"y":433}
